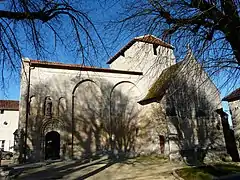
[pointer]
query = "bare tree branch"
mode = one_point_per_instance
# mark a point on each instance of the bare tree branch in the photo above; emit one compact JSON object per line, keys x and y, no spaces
{"x":30,"y":26}
{"x":212,"y":28}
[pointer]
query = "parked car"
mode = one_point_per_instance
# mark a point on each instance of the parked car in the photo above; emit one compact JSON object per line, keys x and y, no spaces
{"x":6,"y":155}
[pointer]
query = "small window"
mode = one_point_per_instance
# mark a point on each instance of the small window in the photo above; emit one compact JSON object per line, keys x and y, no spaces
{"x":2,"y":111}
{"x":155,"y":49}
{"x":137,"y":131}
{"x":2,"y":144}
{"x":171,"y":111}
{"x":200,"y":113}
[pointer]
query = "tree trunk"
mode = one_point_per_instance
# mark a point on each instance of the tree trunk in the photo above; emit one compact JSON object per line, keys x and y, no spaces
{"x":234,"y":40}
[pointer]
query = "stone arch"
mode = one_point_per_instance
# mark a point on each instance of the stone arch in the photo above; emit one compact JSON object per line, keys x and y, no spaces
{"x":48,"y":107}
{"x":49,"y":125}
{"x":53,"y":122}
{"x":123,"y":115}
{"x":62,"y":106}
{"x":85,"y":80}
{"x":120,"y":83}
{"x":52,"y":145}
{"x":32,"y":105}
{"x":84,"y":114}
{"x":127,"y":94}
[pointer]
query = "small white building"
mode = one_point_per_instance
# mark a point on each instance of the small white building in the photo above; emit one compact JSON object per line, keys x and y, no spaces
{"x":9,"y":115}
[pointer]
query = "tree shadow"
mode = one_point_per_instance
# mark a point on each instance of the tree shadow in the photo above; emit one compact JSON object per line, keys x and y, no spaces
{"x":89,"y":124}
{"x":194,"y":126}
{"x":110,"y":121}
{"x":95,"y":171}
{"x":56,"y":171}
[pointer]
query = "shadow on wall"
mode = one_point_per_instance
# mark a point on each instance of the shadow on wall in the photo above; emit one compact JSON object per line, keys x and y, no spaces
{"x":193,"y":124}
{"x":229,"y":136}
{"x":96,"y":130}
{"x":108,"y":125}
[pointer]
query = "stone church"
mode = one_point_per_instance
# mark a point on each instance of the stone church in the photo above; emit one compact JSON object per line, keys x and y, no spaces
{"x":144,"y":102}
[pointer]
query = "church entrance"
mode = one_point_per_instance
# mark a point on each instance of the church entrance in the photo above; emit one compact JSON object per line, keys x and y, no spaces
{"x":52,"y":145}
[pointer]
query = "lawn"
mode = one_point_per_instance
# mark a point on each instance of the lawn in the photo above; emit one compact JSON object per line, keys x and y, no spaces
{"x":207,"y":172}
{"x":148,"y":159}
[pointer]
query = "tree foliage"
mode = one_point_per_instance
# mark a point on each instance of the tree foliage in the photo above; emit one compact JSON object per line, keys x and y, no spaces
{"x":211,"y":27}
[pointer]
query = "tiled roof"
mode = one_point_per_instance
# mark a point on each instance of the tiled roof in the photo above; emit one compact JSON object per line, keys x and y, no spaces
{"x":58,"y":65}
{"x":9,"y":105}
{"x":159,"y":87}
{"x":147,"y":39}
{"x":233,"y":96}
{"x":157,"y":90}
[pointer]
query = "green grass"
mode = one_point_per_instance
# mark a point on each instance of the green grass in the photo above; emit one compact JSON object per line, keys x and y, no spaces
{"x":151,"y":158}
{"x":208,"y":171}
{"x":148,"y":159}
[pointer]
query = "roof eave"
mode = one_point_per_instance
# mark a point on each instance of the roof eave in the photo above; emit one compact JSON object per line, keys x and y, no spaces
{"x":10,"y":109}
{"x":147,"y":101}
{"x":231,"y":99}
{"x":82,"y":68}
{"x":151,"y":100}
{"x":130,"y":43}
{"x":121,"y":51}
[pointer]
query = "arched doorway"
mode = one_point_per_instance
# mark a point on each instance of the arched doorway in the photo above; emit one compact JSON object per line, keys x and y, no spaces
{"x":52,"y":145}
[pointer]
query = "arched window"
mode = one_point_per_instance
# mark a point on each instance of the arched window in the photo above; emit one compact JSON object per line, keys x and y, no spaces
{"x":32,"y":105}
{"x":48,"y":107}
{"x":62,"y":106}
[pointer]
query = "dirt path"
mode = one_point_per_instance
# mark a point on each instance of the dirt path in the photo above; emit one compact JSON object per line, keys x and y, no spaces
{"x":137,"y":172}
{"x":103,"y":169}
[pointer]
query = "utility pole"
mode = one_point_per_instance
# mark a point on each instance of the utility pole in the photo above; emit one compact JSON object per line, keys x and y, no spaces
{"x":27,"y":114}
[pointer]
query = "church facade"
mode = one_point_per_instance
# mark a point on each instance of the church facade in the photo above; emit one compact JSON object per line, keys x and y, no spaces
{"x":135,"y":106}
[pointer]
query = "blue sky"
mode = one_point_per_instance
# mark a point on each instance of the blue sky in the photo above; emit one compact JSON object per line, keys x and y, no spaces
{"x":100,"y":12}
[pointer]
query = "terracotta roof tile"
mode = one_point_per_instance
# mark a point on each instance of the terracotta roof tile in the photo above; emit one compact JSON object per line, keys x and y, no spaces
{"x":153,"y":40}
{"x":9,"y":105}
{"x":58,"y":65}
{"x":147,"y":39}
{"x":233,"y":96}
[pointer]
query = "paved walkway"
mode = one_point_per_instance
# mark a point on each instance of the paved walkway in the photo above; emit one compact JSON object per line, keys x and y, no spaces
{"x":101,"y":169}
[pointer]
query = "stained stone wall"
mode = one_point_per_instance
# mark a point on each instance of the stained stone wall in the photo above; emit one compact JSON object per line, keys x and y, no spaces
{"x":83,"y":98}
{"x":191,"y":103}
{"x":98,"y":111}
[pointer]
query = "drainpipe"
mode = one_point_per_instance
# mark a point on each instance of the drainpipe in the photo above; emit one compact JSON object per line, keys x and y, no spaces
{"x":26,"y":116}
{"x":168,"y":133}
{"x":72,"y":123}
{"x":110,"y":120}
{"x":169,"y":146}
